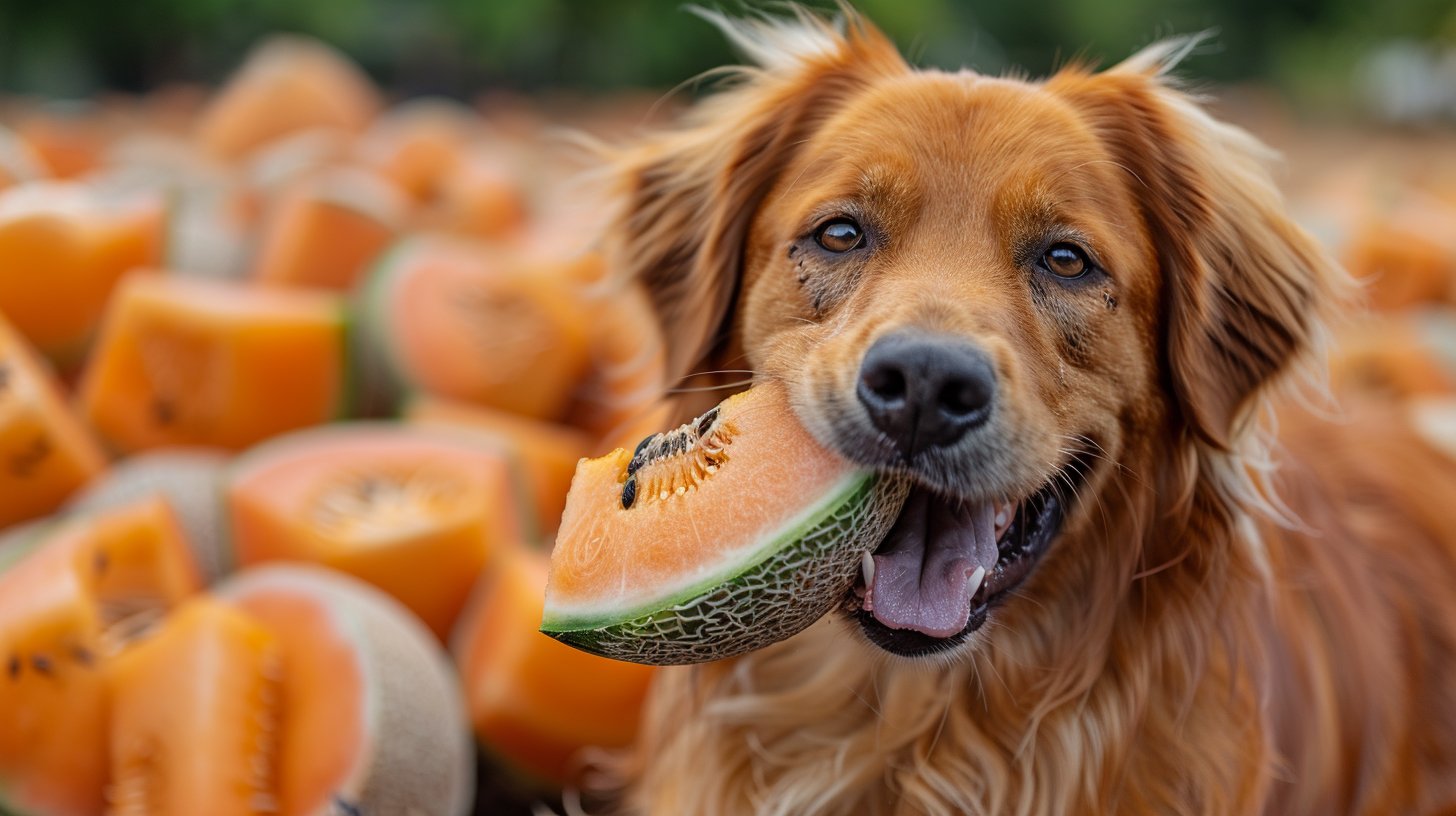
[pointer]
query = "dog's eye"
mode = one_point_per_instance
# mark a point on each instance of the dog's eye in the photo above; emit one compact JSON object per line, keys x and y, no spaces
{"x":839,"y":235}
{"x":1066,"y":261}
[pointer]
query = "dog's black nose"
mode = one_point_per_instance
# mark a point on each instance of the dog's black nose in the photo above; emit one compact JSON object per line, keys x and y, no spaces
{"x":926,"y":391}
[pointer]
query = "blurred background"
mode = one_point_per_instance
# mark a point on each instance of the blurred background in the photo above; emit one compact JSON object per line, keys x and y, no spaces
{"x":230,"y":229}
{"x":1317,"y":52}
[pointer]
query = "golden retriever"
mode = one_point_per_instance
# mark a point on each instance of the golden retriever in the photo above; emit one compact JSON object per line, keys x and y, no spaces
{"x":1064,"y":308}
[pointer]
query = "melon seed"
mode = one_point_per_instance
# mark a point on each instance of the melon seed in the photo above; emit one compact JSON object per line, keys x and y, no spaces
{"x":629,"y":493}
{"x":13,"y":667}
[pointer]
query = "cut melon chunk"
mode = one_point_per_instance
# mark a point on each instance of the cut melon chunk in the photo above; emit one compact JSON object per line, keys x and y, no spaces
{"x":416,"y":512}
{"x":46,"y":453}
{"x":62,"y":252}
{"x":417,"y":144}
{"x":454,"y":319}
{"x":735,"y":531}
{"x":547,"y":452}
{"x":191,"y":482}
{"x":373,"y":721}
{"x":52,"y":714}
{"x":193,"y":717}
{"x":71,"y":593}
{"x":537,"y":705}
{"x":191,"y":362}
{"x":325,"y":231}
{"x":288,"y":84}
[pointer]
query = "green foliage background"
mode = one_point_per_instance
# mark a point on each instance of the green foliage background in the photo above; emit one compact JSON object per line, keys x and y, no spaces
{"x":75,"y":47}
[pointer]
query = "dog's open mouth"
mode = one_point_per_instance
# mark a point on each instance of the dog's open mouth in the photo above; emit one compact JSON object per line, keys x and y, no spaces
{"x":945,"y":563}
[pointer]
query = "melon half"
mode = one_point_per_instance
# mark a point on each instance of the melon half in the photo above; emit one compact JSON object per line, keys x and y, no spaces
{"x":723,"y":536}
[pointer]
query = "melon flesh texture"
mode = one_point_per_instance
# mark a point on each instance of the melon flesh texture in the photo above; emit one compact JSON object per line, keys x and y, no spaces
{"x":537,"y":704}
{"x":52,"y":715}
{"x":191,"y":482}
{"x":46,"y":453}
{"x":193,"y":717}
{"x":288,"y":84}
{"x":72,"y":593}
{"x":327,"y":231}
{"x":191,"y":362}
{"x":414,"y":512}
{"x":453,"y":319}
{"x":707,"y":566}
{"x":547,"y":452}
{"x":64,"y":251}
{"x":418,"y":143}
{"x":372,"y":719}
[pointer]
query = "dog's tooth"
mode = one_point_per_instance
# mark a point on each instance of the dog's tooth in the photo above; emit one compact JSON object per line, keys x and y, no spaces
{"x":867,"y":568}
{"x":976,"y":578}
{"x":1002,"y":516}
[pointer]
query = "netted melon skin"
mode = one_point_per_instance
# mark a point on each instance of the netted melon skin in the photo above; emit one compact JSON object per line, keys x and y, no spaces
{"x":766,"y":603}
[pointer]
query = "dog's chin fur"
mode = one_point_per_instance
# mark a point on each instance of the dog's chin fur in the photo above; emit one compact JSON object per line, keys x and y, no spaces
{"x":1206,"y":635}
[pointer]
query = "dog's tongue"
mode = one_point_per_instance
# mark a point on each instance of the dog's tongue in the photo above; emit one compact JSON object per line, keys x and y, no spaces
{"x":923,"y":568}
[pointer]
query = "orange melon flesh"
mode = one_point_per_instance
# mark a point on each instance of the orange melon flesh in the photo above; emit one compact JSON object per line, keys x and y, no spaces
{"x":371,"y":716}
{"x":607,"y":555}
{"x":64,"y":251}
{"x":537,"y":704}
{"x":453,"y":319}
{"x":52,"y":714}
{"x":327,"y":231}
{"x":46,"y":453}
{"x":135,"y":558}
{"x":415,"y":513}
{"x":72,"y":594}
{"x":190,"y":362}
{"x":418,"y":144}
{"x":547,"y":452}
{"x":730,"y":533}
{"x":480,"y":197}
{"x":193,"y":717}
{"x":288,"y":84}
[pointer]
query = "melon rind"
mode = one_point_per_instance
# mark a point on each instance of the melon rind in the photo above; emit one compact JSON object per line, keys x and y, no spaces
{"x":778,"y":592}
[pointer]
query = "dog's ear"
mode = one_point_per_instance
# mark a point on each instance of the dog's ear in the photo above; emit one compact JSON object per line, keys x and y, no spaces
{"x":1245,"y":289}
{"x":688,"y":195}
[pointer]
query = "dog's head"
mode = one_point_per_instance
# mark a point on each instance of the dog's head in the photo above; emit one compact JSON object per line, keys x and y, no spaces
{"x":1009,"y":290}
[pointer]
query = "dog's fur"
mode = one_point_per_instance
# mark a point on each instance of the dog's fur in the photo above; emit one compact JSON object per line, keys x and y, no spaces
{"x":1209,"y":634}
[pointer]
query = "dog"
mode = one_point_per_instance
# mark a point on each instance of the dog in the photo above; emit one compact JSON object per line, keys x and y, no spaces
{"x":1071,"y":311}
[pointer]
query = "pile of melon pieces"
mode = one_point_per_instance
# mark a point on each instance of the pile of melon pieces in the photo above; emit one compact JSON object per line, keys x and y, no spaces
{"x":292,"y":387}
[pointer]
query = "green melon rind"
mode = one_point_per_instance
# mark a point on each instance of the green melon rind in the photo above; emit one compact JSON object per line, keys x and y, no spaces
{"x":786,"y":587}
{"x":379,"y":380}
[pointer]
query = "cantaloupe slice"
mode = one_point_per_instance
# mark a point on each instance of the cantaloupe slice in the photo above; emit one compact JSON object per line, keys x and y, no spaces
{"x":328,"y":229}
{"x":63,"y":250}
{"x":373,"y":720}
{"x":537,"y":705}
{"x":418,"y":144}
{"x":735,"y":531}
{"x":455,"y":319}
{"x":287,"y":84}
{"x":190,"y":362}
{"x":46,"y":453}
{"x":68,"y":140}
{"x":413,"y":511}
{"x":72,"y":593}
{"x":52,"y":715}
{"x":547,"y":452}
{"x":190,"y":480}
{"x":193,"y":717}
{"x":482,"y":197}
